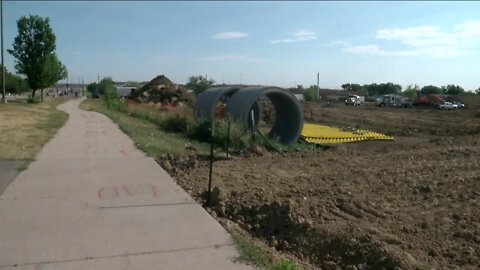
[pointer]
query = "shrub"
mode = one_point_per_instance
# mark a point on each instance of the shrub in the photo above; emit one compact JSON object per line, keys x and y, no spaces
{"x":113,"y":101}
{"x":238,"y":136}
{"x":33,"y":100}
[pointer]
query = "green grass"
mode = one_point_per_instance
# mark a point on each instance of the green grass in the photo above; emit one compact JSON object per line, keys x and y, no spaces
{"x":24,"y":163}
{"x":146,"y":134}
{"x":250,"y":252}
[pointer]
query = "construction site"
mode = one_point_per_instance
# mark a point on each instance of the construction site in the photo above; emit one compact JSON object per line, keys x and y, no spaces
{"x":368,"y":187}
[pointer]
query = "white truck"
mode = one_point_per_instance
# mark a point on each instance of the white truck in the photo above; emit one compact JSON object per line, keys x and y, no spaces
{"x":392,"y":100}
{"x":354,"y":100}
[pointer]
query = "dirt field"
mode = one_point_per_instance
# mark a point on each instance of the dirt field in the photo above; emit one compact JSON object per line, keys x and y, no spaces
{"x":408,"y":204}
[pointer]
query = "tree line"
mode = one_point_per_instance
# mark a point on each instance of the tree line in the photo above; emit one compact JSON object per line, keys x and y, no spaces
{"x":411,"y":90}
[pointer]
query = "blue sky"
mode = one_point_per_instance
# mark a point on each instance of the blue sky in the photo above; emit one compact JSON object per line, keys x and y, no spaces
{"x":269,"y":43}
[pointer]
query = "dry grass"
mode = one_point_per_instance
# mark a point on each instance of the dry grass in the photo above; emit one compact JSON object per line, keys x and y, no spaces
{"x":144,"y":129}
{"x":25,"y":128}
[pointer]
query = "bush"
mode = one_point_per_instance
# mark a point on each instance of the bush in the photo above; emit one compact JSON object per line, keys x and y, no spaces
{"x":179,"y":121}
{"x":238,"y":138}
{"x":34,"y":100}
{"x":113,"y":101}
{"x":309,"y":95}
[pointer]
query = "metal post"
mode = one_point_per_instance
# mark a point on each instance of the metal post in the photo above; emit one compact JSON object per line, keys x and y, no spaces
{"x":228,"y":135}
{"x":209,"y":198}
{"x":4,"y":98}
{"x":252,"y":127}
{"x":318,"y":86}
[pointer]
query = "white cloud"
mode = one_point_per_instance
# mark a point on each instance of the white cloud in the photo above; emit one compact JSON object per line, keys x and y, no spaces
{"x":297,"y":36}
{"x":233,"y":57}
{"x":229,"y":35}
{"x":426,"y":41}
{"x":339,"y":43}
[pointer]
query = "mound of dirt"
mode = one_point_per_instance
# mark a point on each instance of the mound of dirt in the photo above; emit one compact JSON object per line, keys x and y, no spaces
{"x":162,"y":90}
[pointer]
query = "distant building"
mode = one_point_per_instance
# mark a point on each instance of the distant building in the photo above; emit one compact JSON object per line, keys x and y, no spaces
{"x":125,"y":91}
{"x":300,"y":97}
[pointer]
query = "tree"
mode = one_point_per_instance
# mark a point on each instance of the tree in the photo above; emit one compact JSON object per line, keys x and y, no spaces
{"x":106,"y":85}
{"x":53,"y":72}
{"x":34,"y":53}
{"x":477,"y":91}
{"x":411,"y":91}
{"x":92,"y":87}
{"x":351,"y":87}
{"x":199,"y":83}
{"x":430,"y":89}
{"x":452,"y":89}
{"x":382,"y":89}
{"x":14,"y":83}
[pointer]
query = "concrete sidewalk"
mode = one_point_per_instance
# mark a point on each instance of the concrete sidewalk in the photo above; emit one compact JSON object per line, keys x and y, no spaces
{"x":91,"y":200}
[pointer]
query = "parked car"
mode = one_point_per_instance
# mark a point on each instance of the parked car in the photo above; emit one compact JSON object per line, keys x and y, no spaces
{"x":446,"y":106}
{"x":95,"y":94}
{"x":459,"y":104}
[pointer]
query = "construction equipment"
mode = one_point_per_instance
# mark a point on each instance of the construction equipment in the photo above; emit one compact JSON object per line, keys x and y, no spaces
{"x":354,"y":100}
{"x":392,"y":100}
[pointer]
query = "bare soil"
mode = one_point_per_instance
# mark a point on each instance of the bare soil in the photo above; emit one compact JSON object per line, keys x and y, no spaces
{"x":412,"y":203}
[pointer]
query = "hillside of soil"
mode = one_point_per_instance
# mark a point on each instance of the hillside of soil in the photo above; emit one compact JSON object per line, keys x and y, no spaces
{"x":412,"y":203}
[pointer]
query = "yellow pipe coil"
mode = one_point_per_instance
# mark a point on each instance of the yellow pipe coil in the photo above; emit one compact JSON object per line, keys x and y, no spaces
{"x":320,"y":134}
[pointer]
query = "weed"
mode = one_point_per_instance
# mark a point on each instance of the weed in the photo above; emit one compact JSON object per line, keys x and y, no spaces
{"x":24,"y":164}
{"x":251,"y":252}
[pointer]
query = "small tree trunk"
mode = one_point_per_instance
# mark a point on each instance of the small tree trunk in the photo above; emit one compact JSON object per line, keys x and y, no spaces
{"x":41,"y":95}
{"x":33,"y":93}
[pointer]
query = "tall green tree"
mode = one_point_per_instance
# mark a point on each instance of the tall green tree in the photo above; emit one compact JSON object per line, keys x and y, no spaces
{"x":53,"y":72}
{"x":34,"y":53}
{"x":452,"y":89}
{"x":411,"y":91}
{"x":430,"y":89}
{"x":199,"y":83}
{"x":351,"y":87}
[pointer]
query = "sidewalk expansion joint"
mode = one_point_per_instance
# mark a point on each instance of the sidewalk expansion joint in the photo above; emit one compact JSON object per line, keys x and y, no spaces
{"x":145,"y":205}
{"x":117,"y":256}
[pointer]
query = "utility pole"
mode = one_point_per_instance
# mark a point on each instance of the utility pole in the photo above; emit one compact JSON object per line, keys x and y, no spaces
{"x":318,"y":86}
{"x":4,"y":98}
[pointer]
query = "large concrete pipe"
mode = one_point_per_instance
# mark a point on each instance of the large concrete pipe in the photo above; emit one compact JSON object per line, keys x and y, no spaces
{"x":288,"y":114}
{"x":207,"y":101}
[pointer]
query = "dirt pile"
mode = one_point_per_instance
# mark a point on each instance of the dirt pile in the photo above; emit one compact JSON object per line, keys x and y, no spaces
{"x":162,"y":90}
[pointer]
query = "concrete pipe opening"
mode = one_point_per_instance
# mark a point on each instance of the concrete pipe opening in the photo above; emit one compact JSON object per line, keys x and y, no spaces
{"x":206,"y":103}
{"x":288,"y":122}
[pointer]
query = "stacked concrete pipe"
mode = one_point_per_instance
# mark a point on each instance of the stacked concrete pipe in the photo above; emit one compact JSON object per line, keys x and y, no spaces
{"x":240,"y":102}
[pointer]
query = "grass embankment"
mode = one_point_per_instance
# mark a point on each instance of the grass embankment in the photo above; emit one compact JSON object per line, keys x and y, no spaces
{"x":147,"y":135}
{"x":25,"y":128}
